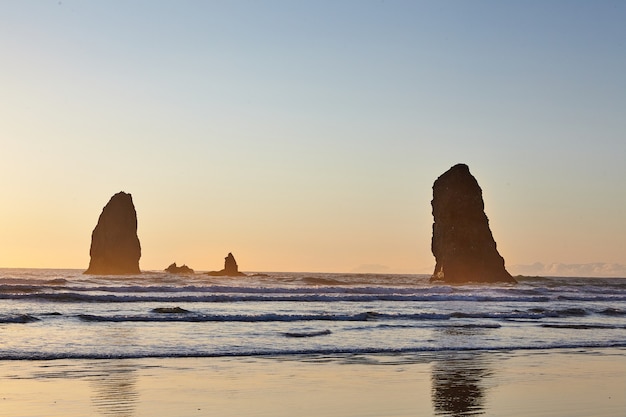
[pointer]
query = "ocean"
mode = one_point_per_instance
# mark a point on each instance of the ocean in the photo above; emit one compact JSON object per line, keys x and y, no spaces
{"x":63,"y":314}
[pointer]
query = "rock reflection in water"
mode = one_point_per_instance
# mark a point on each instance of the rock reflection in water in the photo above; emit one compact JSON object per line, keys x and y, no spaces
{"x":114,"y":389}
{"x":459,"y":380}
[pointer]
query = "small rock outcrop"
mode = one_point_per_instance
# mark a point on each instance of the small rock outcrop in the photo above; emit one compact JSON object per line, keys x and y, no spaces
{"x":115,"y":248}
{"x":462,"y":243}
{"x":170,"y":310}
{"x":183,"y":269}
{"x":230,"y":268}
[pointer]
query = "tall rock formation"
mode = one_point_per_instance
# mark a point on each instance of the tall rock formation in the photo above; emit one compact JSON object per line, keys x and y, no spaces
{"x":462,"y":243}
{"x":115,"y":248}
{"x":230,"y":268}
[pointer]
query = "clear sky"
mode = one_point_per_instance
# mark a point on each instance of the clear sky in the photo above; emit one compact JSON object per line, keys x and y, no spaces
{"x":306,"y":136}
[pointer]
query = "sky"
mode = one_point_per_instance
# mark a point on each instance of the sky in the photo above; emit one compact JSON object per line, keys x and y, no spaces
{"x":306,"y":136}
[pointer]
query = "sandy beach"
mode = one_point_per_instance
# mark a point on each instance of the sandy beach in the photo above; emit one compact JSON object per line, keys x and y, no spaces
{"x":518,"y":383}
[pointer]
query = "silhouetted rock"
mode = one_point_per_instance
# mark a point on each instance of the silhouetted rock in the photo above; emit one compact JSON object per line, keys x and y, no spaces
{"x":115,"y":248}
{"x":462,"y":242}
{"x":230,"y":268}
{"x":183,"y":269}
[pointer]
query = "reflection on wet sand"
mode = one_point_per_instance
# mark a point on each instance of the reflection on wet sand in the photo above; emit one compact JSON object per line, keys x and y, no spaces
{"x":459,"y":380}
{"x":114,"y":385}
{"x":114,"y":389}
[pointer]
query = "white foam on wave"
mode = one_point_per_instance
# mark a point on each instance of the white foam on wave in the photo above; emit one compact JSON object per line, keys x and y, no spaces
{"x":38,"y":355}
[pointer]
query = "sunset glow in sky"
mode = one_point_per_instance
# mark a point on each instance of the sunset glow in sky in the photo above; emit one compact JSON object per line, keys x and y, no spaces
{"x":306,"y":136}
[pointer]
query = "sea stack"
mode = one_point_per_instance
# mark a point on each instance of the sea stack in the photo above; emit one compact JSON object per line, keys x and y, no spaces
{"x":462,"y":243}
{"x":230,"y":268}
{"x":183,"y":269}
{"x":115,"y":248}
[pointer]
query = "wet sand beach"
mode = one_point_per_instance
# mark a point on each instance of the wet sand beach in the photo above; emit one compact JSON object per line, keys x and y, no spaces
{"x":508,"y":383}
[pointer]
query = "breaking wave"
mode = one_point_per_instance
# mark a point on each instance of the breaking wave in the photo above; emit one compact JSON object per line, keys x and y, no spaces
{"x":53,"y":314}
{"x":177,"y":314}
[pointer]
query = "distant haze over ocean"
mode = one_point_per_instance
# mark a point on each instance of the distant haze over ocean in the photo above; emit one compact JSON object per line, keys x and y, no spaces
{"x":596,"y":269}
{"x":555,"y":269}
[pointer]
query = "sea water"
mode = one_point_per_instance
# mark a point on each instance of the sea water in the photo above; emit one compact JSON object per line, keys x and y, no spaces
{"x":54,"y":314}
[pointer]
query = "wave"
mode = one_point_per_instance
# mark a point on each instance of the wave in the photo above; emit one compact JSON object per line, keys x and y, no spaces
{"x":450,"y":326}
{"x":254,"y":318}
{"x":322,"y":288}
{"x":187,"y":316}
{"x":308,"y":334}
{"x":582,"y":326}
{"x":177,"y":314}
{"x":333,"y":287}
{"x":290,"y":314}
{"x":532,"y":314}
{"x":274,"y":296}
{"x":612,"y":312}
{"x":31,"y":281}
{"x":322,"y":281}
{"x":21,"y":318}
{"x":277,"y":353}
